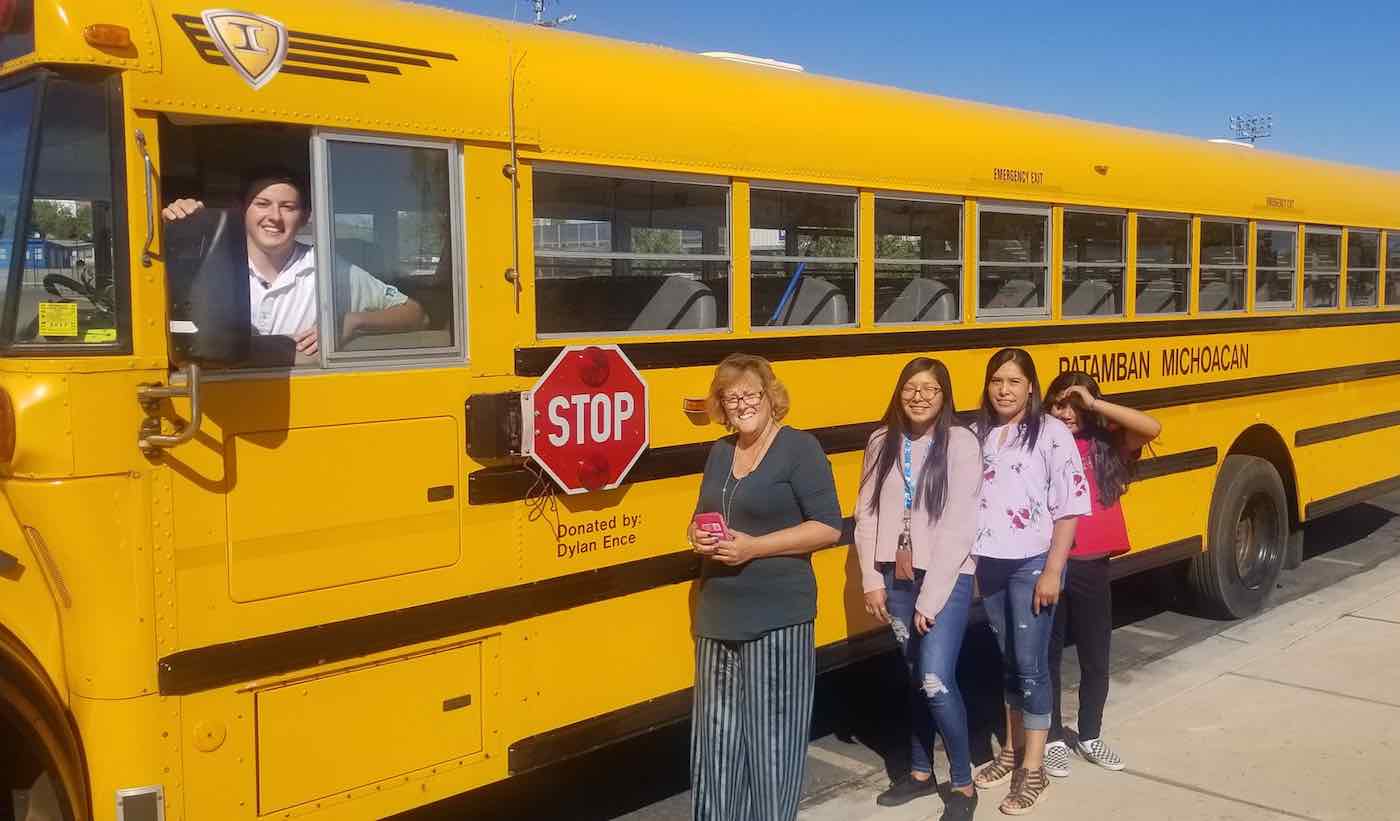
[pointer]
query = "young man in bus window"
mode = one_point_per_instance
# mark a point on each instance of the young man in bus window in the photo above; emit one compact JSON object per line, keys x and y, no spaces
{"x":282,"y":271}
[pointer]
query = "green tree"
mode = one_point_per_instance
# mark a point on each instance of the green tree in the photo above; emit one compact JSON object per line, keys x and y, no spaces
{"x":61,"y":219}
{"x":656,"y":241}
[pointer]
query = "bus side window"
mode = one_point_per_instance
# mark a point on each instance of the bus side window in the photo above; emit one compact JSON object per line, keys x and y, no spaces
{"x":617,"y":253}
{"x":1094,"y":259}
{"x":1013,"y":269}
{"x":918,"y":260}
{"x":1163,"y":265}
{"x":1224,"y":264}
{"x":1276,"y":267}
{"x":391,"y":217}
{"x":1363,"y":268}
{"x":1322,"y":267}
{"x":1392,"y":268}
{"x":803,"y":257}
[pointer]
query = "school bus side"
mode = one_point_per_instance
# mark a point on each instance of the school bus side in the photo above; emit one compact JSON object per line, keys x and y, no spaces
{"x":147,"y":667}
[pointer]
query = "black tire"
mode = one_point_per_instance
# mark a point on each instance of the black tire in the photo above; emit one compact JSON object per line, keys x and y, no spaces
{"x":1247,"y":539}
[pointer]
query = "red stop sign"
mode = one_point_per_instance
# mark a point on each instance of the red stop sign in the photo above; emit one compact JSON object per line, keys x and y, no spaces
{"x":587,"y":420}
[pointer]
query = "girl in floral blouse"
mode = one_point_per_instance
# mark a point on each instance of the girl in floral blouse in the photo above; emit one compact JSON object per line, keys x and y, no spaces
{"x":1033,"y":488}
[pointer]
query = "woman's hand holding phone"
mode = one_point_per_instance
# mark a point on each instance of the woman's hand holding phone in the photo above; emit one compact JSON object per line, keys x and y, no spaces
{"x":706,"y":529}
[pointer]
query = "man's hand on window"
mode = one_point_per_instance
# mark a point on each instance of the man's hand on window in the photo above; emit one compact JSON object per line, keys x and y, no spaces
{"x":179,"y":209}
{"x":308,"y":341}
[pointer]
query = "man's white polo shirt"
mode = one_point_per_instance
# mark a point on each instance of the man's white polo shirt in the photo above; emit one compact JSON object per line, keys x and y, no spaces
{"x":287,"y":306}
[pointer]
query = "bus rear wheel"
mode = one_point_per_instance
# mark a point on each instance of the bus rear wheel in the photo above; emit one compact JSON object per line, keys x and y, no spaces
{"x":1247,"y":539}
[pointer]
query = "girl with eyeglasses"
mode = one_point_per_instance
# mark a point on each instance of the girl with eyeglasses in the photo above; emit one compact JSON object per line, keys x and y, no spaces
{"x":915,"y":518}
{"x":1033,"y":491}
{"x":755,"y":650}
{"x":1110,"y":439}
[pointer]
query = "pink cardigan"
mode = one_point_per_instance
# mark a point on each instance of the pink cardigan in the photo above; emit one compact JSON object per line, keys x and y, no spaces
{"x":942,"y":547}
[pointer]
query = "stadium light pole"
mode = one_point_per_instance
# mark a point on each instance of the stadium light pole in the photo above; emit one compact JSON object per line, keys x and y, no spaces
{"x":554,"y":23}
{"x":1252,"y":127}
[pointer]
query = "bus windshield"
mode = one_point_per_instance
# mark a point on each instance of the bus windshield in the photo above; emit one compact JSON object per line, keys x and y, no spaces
{"x":16,"y":116}
{"x":62,"y":265}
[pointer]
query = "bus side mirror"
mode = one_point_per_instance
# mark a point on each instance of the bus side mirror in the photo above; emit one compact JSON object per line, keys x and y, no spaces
{"x":206,"y":270}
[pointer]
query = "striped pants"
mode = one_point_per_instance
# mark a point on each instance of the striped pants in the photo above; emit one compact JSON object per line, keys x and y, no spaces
{"x":749,"y":728}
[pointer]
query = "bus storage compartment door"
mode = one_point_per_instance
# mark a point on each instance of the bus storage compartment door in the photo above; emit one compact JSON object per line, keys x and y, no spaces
{"x":332,"y":735}
{"x":318,"y":507}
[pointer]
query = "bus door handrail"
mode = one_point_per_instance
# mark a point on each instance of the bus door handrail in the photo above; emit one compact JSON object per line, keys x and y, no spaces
{"x":146,"y":253}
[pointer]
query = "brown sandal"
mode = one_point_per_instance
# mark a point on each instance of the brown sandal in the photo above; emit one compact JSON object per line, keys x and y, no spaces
{"x":997,"y":771}
{"x":1027,"y":788}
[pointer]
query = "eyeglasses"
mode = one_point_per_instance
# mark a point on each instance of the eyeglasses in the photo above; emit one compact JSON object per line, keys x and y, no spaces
{"x":733,"y":400}
{"x":921,"y":391}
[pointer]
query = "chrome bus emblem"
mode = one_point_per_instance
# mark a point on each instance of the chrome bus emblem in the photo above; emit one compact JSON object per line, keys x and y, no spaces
{"x":255,"y":46}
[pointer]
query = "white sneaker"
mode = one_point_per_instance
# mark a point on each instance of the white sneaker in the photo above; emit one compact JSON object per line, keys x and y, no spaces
{"x":1098,"y":752}
{"x":1057,"y":759}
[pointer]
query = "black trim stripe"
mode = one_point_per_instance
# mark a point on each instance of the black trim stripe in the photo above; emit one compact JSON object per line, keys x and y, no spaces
{"x":203,"y":668}
{"x":1332,"y":504}
{"x":312,"y":59}
{"x":1254,"y":386}
{"x":299,"y":62}
{"x":593,"y":733}
{"x":1158,"y":466}
{"x":324,"y":74}
{"x":190,"y":671}
{"x":1341,"y":430}
{"x":534,"y":361}
{"x":512,"y":483}
{"x":639,"y":719}
{"x":298,"y":45}
{"x":1153,"y":557}
{"x":344,"y":41}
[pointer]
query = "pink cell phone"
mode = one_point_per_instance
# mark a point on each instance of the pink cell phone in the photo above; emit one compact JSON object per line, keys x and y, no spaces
{"x":712,"y":523}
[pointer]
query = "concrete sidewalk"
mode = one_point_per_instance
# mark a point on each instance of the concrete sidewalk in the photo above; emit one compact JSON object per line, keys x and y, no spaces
{"x":1293,"y":714}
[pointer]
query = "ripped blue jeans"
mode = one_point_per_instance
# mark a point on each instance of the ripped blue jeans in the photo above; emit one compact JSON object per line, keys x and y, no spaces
{"x":932,"y":658}
{"x":1008,"y":592}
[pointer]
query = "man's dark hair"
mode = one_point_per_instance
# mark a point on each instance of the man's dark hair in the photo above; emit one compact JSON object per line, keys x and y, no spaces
{"x":257,"y":180}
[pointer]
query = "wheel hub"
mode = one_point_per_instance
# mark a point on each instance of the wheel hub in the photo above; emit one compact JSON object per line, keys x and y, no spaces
{"x":1256,"y":539}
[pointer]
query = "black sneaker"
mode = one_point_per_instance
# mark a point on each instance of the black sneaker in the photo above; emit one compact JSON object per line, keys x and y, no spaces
{"x":958,"y":807}
{"x":905,"y":790}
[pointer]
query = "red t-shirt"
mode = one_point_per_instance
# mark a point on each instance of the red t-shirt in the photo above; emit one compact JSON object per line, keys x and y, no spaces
{"x":1103,"y":532}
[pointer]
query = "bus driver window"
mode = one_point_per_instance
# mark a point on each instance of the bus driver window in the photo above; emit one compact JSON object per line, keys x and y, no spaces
{"x":282,"y":271}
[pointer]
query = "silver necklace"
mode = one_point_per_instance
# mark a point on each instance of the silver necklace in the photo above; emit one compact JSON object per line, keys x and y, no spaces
{"x":726,"y":497}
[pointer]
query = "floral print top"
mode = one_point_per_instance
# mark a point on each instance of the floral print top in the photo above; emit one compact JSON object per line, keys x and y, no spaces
{"x":1025,"y":491}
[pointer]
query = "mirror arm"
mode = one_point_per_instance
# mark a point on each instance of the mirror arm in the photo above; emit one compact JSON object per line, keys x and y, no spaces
{"x":150,"y":439}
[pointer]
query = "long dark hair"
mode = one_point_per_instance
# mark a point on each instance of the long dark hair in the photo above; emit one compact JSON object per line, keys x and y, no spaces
{"x":1112,"y":472}
{"x":1035,"y":412}
{"x":932,"y":482}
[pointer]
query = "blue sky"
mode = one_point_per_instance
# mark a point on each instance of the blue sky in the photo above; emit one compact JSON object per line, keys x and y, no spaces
{"x":1329,"y":73}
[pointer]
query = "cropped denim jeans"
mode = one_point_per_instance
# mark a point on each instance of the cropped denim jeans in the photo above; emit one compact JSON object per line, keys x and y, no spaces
{"x":1008,"y":593}
{"x":936,"y":702}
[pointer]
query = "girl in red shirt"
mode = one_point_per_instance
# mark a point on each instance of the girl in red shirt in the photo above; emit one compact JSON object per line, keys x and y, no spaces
{"x":1110,"y":439}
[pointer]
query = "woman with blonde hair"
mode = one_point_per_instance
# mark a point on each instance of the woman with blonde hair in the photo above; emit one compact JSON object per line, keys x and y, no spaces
{"x":767,"y":500}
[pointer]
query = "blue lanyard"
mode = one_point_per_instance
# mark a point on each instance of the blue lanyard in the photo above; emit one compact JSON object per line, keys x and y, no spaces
{"x":908,"y":476}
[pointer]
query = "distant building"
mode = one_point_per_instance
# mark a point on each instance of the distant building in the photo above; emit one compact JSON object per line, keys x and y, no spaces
{"x":44,"y":253}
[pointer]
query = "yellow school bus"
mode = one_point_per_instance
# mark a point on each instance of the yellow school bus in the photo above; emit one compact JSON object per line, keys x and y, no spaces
{"x":241,"y":580}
